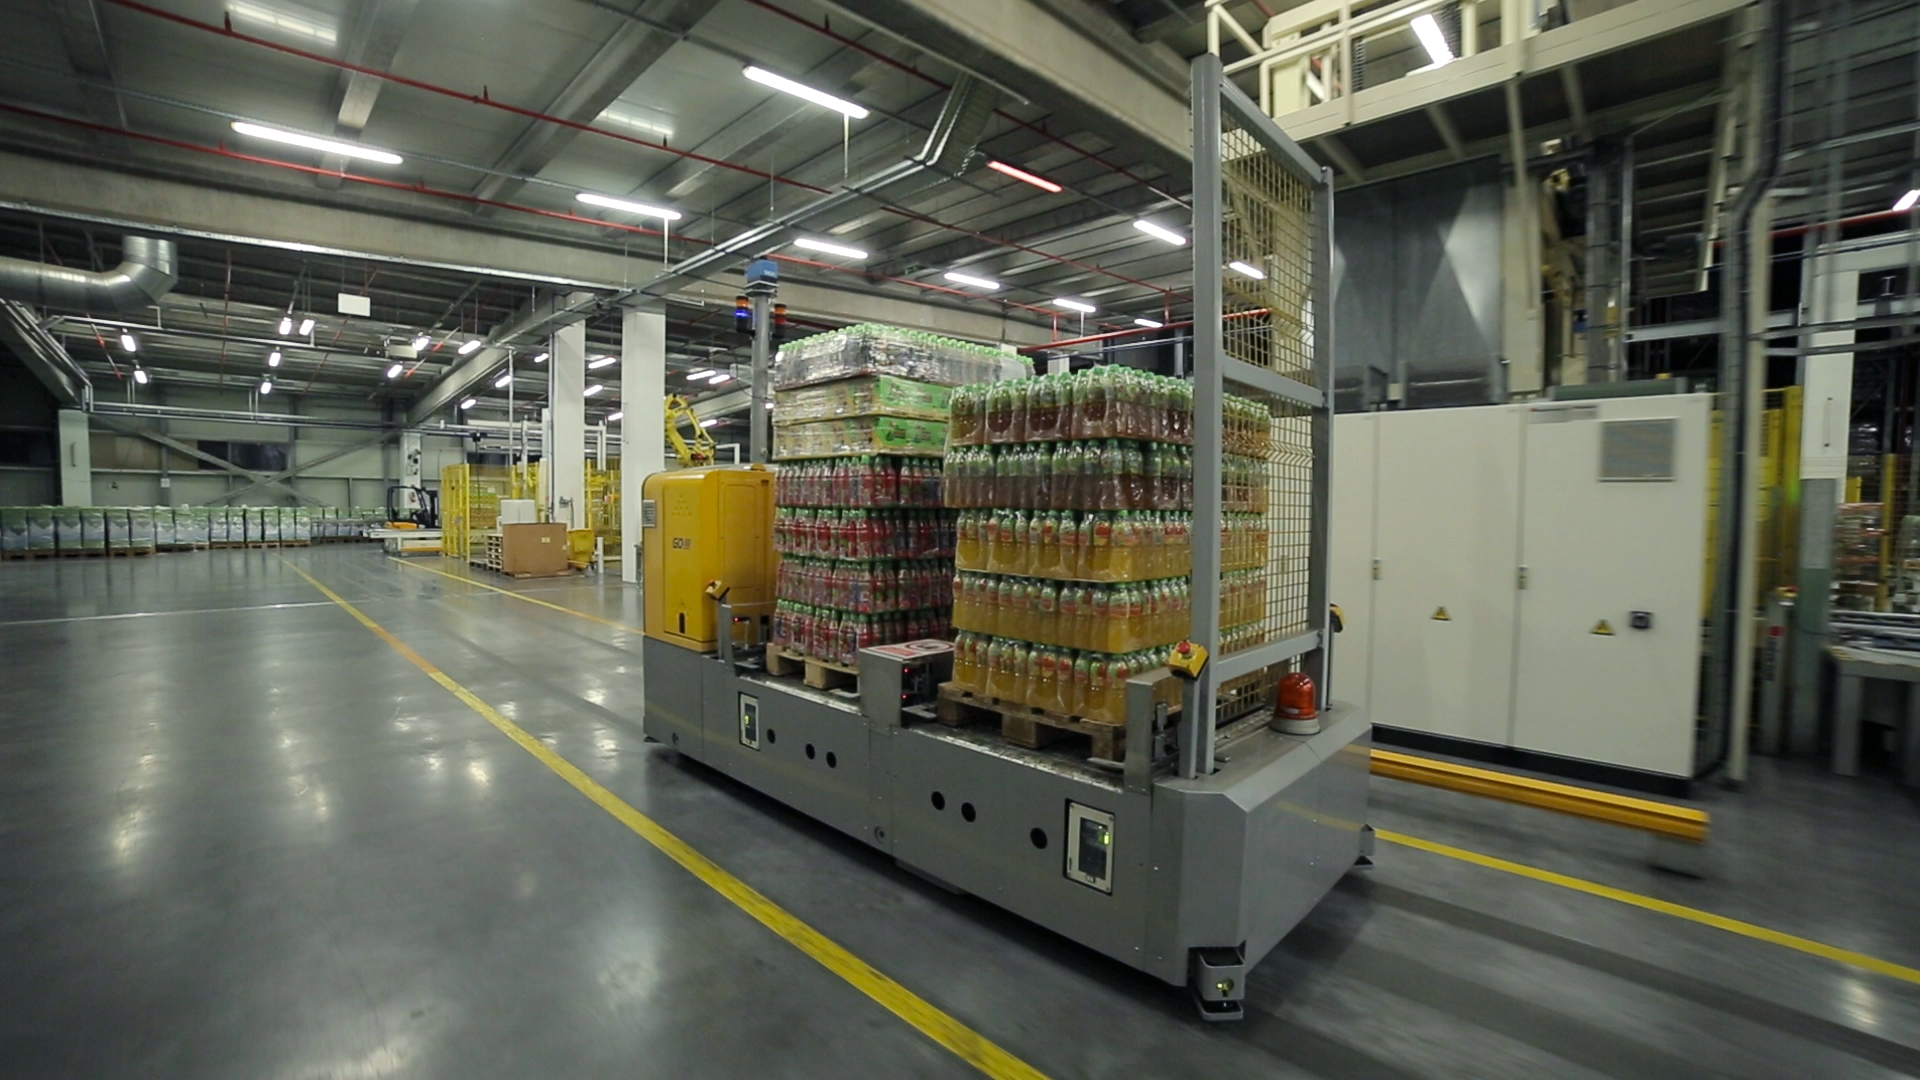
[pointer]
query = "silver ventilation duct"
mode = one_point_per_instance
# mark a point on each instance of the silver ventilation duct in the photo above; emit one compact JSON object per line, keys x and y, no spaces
{"x":148,"y":271}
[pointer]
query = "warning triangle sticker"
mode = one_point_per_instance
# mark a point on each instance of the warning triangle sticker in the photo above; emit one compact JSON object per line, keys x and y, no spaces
{"x":1440,"y":615}
{"x":1602,"y":628}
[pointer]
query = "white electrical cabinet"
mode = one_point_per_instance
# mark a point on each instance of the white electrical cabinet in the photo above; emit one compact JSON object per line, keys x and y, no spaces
{"x":1539,"y":578}
{"x":1614,"y":544}
{"x":1446,"y":537}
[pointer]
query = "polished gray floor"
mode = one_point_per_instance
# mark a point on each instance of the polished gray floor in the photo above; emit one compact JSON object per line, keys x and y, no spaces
{"x":240,"y":836}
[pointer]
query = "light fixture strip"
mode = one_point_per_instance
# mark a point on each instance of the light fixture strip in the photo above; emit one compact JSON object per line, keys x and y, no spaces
{"x":805,"y":92}
{"x":315,"y":142}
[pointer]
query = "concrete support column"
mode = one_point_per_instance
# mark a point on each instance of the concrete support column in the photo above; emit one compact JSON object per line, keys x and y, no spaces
{"x":411,"y":469}
{"x":76,"y":459}
{"x":566,"y":456}
{"x":643,"y":400}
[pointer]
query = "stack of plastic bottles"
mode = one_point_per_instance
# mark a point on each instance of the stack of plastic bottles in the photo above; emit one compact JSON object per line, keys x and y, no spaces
{"x":1075,"y":539}
{"x":866,"y":543}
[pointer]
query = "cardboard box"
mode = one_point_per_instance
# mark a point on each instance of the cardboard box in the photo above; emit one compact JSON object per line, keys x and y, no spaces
{"x":533,"y":549}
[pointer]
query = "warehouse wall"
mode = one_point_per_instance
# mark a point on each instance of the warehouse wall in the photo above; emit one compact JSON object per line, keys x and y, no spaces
{"x":28,"y":454}
{"x":132,"y":471}
{"x":1418,"y":280}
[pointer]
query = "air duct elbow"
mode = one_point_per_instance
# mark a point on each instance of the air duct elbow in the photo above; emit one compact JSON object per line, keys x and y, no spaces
{"x":148,"y":270}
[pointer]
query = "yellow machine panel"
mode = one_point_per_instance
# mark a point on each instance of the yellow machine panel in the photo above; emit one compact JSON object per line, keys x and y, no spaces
{"x":699,"y":526}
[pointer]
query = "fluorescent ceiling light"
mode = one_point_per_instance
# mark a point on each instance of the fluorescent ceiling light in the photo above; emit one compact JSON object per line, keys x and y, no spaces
{"x":969,"y":279}
{"x":699,"y":373}
{"x":709,"y":423}
{"x":266,"y":386}
{"x":469,"y":347}
{"x":1080,"y":306}
{"x":541,"y":358}
{"x":805,"y":92}
{"x":503,"y":380}
{"x":394,"y":371}
{"x":315,"y":142}
{"x":769,"y":404}
{"x":1024,"y":176}
{"x":1160,"y":232}
{"x":614,"y":417}
{"x":469,"y":403}
{"x":299,"y":22}
{"x":286,"y":325}
{"x":624,"y":118}
{"x":421,"y":342}
{"x":832,"y":249}
{"x":140,"y":375}
{"x":129,"y":342}
{"x":1906,"y":201}
{"x":718,"y":378}
{"x":306,"y":327}
{"x":273,"y":358}
{"x":642,"y":209}
{"x":592,"y":390}
{"x":1427,"y":29}
{"x":1248,"y":269}
{"x":1148,"y":323}
{"x":602,"y":362}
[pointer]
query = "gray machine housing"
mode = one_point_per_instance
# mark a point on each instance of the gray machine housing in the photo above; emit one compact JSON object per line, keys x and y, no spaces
{"x":1203,"y":876}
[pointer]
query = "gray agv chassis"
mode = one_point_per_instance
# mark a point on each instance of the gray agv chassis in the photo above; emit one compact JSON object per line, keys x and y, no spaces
{"x":1190,"y":880}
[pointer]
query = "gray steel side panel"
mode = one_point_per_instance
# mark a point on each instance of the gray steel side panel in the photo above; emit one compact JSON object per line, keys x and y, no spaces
{"x":831,"y":785}
{"x":994,"y":856}
{"x":675,"y":703}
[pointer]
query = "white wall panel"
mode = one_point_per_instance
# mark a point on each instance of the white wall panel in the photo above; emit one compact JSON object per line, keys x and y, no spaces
{"x":1350,"y":573}
{"x":1447,"y":537}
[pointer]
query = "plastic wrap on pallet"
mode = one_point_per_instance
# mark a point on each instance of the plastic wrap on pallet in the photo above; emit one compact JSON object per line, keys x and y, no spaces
{"x":302,"y":524}
{"x":873,"y":395}
{"x":166,"y":532}
{"x":140,"y":531}
{"x":41,"y":535}
{"x":861,"y":435}
{"x":1070,"y":682}
{"x":194,"y":525}
{"x":871,"y":349}
{"x":216,"y":524}
{"x":93,"y":528}
{"x":13,"y":528}
{"x":119,"y":528}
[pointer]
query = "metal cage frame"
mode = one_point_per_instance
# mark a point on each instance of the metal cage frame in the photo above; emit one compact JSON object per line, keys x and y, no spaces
{"x":1220,"y":107}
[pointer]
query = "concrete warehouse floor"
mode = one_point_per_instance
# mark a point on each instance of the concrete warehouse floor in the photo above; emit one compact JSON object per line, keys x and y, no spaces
{"x":243,"y":836}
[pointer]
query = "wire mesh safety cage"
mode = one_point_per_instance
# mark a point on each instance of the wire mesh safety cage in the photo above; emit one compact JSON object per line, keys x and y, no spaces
{"x":1266,"y":233}
{"x":1261,"y":250}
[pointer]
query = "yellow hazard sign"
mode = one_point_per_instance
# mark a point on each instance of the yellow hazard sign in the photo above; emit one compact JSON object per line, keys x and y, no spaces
{"x":1602,"y":628}
{"x":1440,"y":615}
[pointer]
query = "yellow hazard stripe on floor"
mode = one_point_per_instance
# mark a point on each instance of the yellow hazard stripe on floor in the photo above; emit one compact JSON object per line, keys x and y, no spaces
{"x":969,"y":1045}
{"x":1664,"y":907}
{"x":519,"y":596}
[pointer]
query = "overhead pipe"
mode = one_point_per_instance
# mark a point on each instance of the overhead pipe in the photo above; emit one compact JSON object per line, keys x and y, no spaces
{"x":148,"y":270}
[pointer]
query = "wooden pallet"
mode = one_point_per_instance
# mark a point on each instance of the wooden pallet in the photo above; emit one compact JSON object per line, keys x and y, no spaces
{"x":26,"y":555}
{"x":263,"y":543}
{"x":94,"y":553}
{"x":815,"y":672}
{"x":296,"y":543}
{"x":1024,"y":725}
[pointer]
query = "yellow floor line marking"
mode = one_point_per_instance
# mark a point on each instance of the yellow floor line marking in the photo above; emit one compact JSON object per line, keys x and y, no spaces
{"x":519,"y":596}
{"x":971,"y":1046}
{"x":1678,"y":911}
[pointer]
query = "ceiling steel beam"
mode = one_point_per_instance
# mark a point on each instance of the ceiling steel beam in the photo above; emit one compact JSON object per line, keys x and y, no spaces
{"x":269,"y":480}
{"x":1028,"y":48}
{"x":1342,"y":158}
{"x":46,"y":358}
{"x":630,"y":50}
{"x":535,"y":320}
{"x":1449,"y":134}
{"x":86,"y":48}
{"x":378,"y":27}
